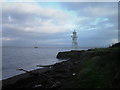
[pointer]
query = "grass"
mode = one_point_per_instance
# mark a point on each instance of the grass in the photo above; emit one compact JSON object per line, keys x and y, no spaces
{"x":102,"y":70}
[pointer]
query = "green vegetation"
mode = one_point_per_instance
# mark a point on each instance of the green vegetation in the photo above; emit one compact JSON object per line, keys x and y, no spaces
{"x":101,"y":70}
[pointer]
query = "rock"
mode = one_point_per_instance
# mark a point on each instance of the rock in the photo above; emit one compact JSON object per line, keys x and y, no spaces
{"x":63,"y":55}
{"x":69,"y":54}
{"x":36,"y":86}
{"x":74,"y":74}
{"x":116,"y":45}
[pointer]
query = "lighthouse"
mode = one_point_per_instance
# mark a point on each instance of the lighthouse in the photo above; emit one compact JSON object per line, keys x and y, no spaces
{"x":74,"y":40}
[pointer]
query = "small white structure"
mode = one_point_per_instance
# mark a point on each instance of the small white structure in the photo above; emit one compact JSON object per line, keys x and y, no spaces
{"x":74,"y":40}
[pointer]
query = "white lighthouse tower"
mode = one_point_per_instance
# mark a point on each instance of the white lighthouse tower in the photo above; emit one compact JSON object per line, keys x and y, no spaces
{"x":74,"y":40}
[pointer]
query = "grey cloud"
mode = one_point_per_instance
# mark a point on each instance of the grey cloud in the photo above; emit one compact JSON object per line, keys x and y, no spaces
{"x":89,"y":34}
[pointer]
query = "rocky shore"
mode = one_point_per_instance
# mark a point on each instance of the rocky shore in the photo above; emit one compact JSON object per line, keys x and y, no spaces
{"x":49,"y":77}
{"x":92,"y":68}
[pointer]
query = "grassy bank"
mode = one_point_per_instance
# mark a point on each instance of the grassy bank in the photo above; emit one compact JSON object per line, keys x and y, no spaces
{"x":101,"y":70}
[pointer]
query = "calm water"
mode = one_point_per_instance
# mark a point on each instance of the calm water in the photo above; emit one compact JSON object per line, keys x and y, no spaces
{"x":27,"y":58}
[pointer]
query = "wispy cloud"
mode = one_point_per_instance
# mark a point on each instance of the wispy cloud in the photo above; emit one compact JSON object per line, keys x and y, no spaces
{"x":33,"y":17}
{"x":60,"y":0}
{"x":96,"y":23}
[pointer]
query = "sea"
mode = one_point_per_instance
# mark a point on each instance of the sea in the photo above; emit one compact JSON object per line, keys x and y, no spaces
{"x":27,"y":58}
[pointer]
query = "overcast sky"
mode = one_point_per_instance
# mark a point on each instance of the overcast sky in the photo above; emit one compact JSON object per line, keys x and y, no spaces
{"x":52,"y":23}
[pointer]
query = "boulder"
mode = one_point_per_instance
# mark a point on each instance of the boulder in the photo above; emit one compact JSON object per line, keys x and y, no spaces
{"x":69,"y":54}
